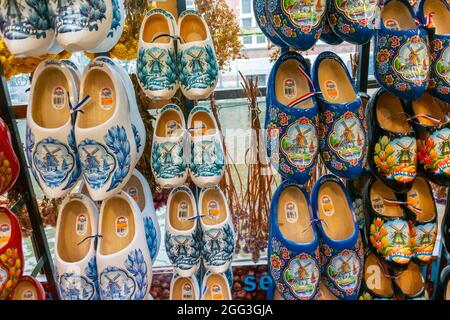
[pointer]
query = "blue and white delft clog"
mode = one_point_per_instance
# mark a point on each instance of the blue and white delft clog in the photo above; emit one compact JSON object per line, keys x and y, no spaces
{"x":139,"y":189}
{"x":50,"y":141}
{"x":218,"y":238}
{"x":341,"y":246}
{"x":157,"y":70}
{"x":436,"y":13}
{"x":342,"y":131}
{"x":53,"y":15}
{"x":354,"y":21}
{"x":75,"y":261}
{"x":83,"y":25}
{"x":207,"y":164}
{"x":123,"y":259}
{"x":293,"y":244}
{"x":197,"y":62}
{"x":215,"y":286}
{"x":104,"y":131}
{"x":259,"y":9}
{"x":401,"y":54}
{"x":170,"y":148}
{"x":184,"y":288}
{"x":297,"y":22}
{"x":183,"y":237}
{"x":26,"y":27}
{"x":292,"y":118}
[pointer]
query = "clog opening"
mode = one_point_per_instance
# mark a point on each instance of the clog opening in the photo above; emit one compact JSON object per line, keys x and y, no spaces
{"x":118,"y":226}
{"x":100,"y":87}
{"x":396,"y":16}
{"x":5,"y":225}
{"x":380,"y":192}
{"x":155,"y":25}
{"x":294,"y":219}
{"x":192,"y":29}
{"x":390,"y":114}
{"x":375,"y":278}
{"x":335,"y":85}
{"x":135,"y":189}
{"x":216,"y":288}
{"x":183,"y":289}
{"x":75,"y":226}
{"x":202,"y":124}
{"x":420,"y":197}
{"x":441,"y":16}
{"x":428,"y":105}
{"x":169,"y":125}
{"x":214,"y":207}
{"x":410,"y":281}
{"x":181,"y":209}
{"x":291,"y":84}
{"x":335,"y":212}
{"x":25,"y":290}
{"x":50,"y":102}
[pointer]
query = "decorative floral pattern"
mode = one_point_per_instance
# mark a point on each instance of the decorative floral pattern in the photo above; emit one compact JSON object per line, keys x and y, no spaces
{"x":423,"y":237}
{"x":151,"y":237}
{"x":433,"y":152}
{"x":439,"y":85}
{"x":10,"y":271}
{"x":74,"y":286}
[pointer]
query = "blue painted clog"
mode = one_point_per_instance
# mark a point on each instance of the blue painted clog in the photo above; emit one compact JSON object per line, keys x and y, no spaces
{"x":263,"y":23}
{"x":291,"y":118}
{"x":297,"y":22}
{"x":293,"y":244}
{"x":401,"y":54}
{"x":341,"y":247}
{"x":328,"y":36}
{"x":436,"y":13}
{"x":353,"y":20}
{"x":342,"y":131}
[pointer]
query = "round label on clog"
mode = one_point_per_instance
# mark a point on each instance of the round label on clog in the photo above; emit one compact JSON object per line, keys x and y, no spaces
{"x":58,"y":97}
{"x":134,"y":193}
{"x":216,"y":292}
{"x":28,"y":295}
{"x":81,"y":224}
{"x":377,"y":203}
{"x":183,"y":208}
{"x":392,"y":24}
{"x":5,"y":234}
{"x":106,"y":98}
{"x":290,"y":89}
{"x":213,"y":209}
{"x":291,"y":212}
{"x":187,"y":292}
{"x":327,"y":205}
{"x":331,"y":90}
{"x":121,"y":226}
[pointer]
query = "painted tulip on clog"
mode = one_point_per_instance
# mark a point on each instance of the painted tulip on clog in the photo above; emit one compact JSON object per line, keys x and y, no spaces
{"x":157,"y":71}
{"x":354,"y":21}
{"x":342,"y":132}
{"x":76,"y":267}
{"x":410,"y":283}
{"x":218,"y":237}
{"x":297,"y":22}
{"x":401,"y":55}
{"x":123,"y":259}
{"x":328,"y":36}
{"x":50,"y":141}
{"x":293,"y":244}
{"x":341,"y":247}
{"x":184,"y":288}
{"x":392,"y":143}
{"x":170,"y":150}
{"x":259,"y":9}
{"x":9,"y":164}
{"x":437,"y":14}
{"x":387,"y":227}
{"x":26,"y":27}
{"x":183,"y":237}
{"x":215,"y":286}
{"x":376,"y":283}
{"x":207,"y":163}
{"x":197,"y":62}
{"x":139,"y":189}
{"x":28,"y":288}
{"x":11,"y":255}
{"x":104,"y":131}
{"x":83,"y":25}
{"x":291,"y":118}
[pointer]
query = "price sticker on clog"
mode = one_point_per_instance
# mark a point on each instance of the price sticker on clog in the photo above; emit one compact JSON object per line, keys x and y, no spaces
{"x":290,"y":88}
{"x":106,"y":98}
{"x":331,"y":90}
{"x":122,"y":226}
{"x":134,"y":193}
{"x":377,"y":203}
{"x":183,"y":210}
{"x":213,"y":209}
{"x":81,"y":224}
{"x":216,"y":292}
{"x":327,"y":205}
{"x":58,"y":97}
{"x":187,"y":292}
{"x":291,"y":212}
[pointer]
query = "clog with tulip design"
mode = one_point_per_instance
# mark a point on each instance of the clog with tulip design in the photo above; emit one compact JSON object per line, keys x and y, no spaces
{"x":9,"y":164}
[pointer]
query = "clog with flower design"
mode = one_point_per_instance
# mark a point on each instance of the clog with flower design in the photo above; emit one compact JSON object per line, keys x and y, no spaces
{"x":342,"y":252}
{"x":291,"y":118}
{"x":297,"y":22}
{"x":11,"y":255}
{"x":9,"y":164}
{"x":401,"y":55}
{"x":28,"y":288}
{"x":328,"y":36}
{"x":260,"y":12}
{"x":392,"y":142}
{"x":342,"y":125}
{"x":432,"y":127}
{"x":436,"y":13}
{"x":354,"y":21}
{"x":293,"y":244}
{"x":387,"y":228}
{"x":377,"y":282}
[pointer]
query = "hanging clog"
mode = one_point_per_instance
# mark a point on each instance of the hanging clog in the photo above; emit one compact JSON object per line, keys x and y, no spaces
{"x":259,"y":9}
{"x":9,"y":163}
